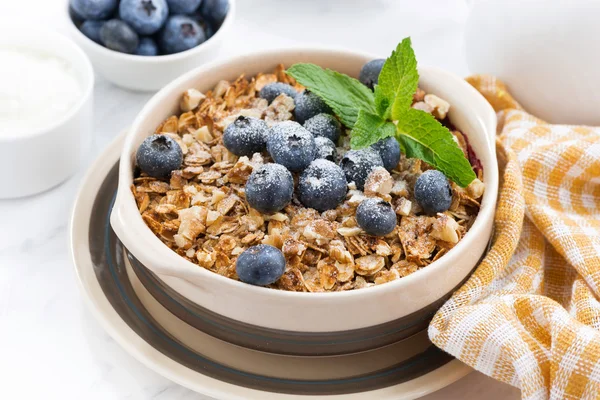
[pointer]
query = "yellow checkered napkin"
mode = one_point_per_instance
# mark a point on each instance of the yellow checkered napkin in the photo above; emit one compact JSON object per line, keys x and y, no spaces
{"x":529,"y":315}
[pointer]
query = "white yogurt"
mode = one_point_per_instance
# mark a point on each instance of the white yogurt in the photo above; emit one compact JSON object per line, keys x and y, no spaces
{"x":36,"y":90}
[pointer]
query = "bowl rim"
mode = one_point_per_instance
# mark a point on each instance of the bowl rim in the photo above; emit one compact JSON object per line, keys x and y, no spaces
{"x":86,"y":80}
{"x":159,"y":59}
{"x":125,"y":197}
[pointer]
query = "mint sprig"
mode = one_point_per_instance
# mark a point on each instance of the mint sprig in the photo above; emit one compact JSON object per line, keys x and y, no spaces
{"x":388,"y":112}
{"x":398,"y":81}
{"x":369,"y":129}
{"x":424,"y":137}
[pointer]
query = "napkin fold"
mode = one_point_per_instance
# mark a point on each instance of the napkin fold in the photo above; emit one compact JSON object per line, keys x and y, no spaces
{"x":529,"y":315}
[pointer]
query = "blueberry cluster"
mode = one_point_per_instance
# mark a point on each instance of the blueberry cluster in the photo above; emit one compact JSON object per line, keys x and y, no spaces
{"x":149,"y":27}
{"x":304,"y":155}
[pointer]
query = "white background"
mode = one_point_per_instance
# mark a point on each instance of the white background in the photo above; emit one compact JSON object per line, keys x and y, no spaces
{"x":50,"y":346}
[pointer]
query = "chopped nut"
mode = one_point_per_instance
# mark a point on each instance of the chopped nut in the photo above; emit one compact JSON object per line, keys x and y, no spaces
{"x":356,"y":197}
{"x":402,"y":206}
{"x":440,"y":107}
{"x":203,"y":135}
{"x":421,"y":105}
{"x":445,"y":228}
{"x":476,"y":188}
{"x":211,"y":217}
{"x":400,"y":188}
{"x":379,"y":182}
{"x":192,"y":224}
{"x":217,"y":196}
{"x":191,"y":99}
{"x":419,"y":95}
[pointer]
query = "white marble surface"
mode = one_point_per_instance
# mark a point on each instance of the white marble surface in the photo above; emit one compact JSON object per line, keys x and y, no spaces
{"x":50,"y":346}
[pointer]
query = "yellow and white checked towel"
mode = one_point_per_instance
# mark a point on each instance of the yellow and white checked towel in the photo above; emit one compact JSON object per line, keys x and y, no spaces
{"x":529,"y":315}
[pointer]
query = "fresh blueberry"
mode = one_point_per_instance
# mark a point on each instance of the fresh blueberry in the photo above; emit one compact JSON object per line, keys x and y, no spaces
{"x":145,"y":16}
{"x":209,"y":28}
{"x":433,"y":192}
{"x":117,"y":35}
{"x":308,"y":105}
{"x":147,"y":47}
{"x":260,"y":265}
{"x":94,"y":9}
{"x":245,"y":136}
{"x":75,"y":16}
{"x":376,"y":216}
{"x":269,"y":188}
{"x":290,"y":145}
{"x":215,"y":10}
{"x":180,"y":33}
{"x":91,"y":29}
{"x":358,"y":164}
{"x":324,"y":125}
{"x":322,"y":185}
{"x":389,"y":151}
{"x":369,"y":73}
{"x":158,"y":156}
{"x":272,"y":90}
{"x":325,"y":148}
{"x":183,"y":6}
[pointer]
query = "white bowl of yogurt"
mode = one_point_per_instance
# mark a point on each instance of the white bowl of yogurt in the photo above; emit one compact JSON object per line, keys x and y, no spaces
{"x":46,"y":85}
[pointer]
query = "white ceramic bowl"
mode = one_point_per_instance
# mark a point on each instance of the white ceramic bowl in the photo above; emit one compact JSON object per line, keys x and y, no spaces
{"x":43,"y":158}
{"x":149,"y":73}
{"x":309,"y":312}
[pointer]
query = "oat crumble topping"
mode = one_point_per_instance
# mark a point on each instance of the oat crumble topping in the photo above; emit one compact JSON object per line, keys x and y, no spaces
{"x":202,"y":215}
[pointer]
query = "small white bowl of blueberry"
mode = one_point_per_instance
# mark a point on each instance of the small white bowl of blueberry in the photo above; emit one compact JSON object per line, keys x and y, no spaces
{"x":144,"y":44}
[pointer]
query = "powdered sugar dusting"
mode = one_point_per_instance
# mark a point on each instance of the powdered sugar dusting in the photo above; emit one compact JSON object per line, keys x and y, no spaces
{"x":325,"y":125}
{"x":291,"y":145}
{"x":325,"y":148}
{"x":322,"y":185}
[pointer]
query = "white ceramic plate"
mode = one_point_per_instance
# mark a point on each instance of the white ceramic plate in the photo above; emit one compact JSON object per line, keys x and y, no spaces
{"x":207,"y":365}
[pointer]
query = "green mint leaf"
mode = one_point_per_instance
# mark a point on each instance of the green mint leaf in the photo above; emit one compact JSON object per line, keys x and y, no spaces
{"x":345,"y":95}
{"x":422,"y":136}
{"x":398,"y":82}
{"x":369,"y":129}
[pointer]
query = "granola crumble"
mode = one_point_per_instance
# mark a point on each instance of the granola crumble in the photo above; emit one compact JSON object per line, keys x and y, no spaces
{"x":202,"y":215}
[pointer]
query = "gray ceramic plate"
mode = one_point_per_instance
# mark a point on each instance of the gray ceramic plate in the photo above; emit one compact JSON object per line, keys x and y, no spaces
{"x":195,"y":359}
